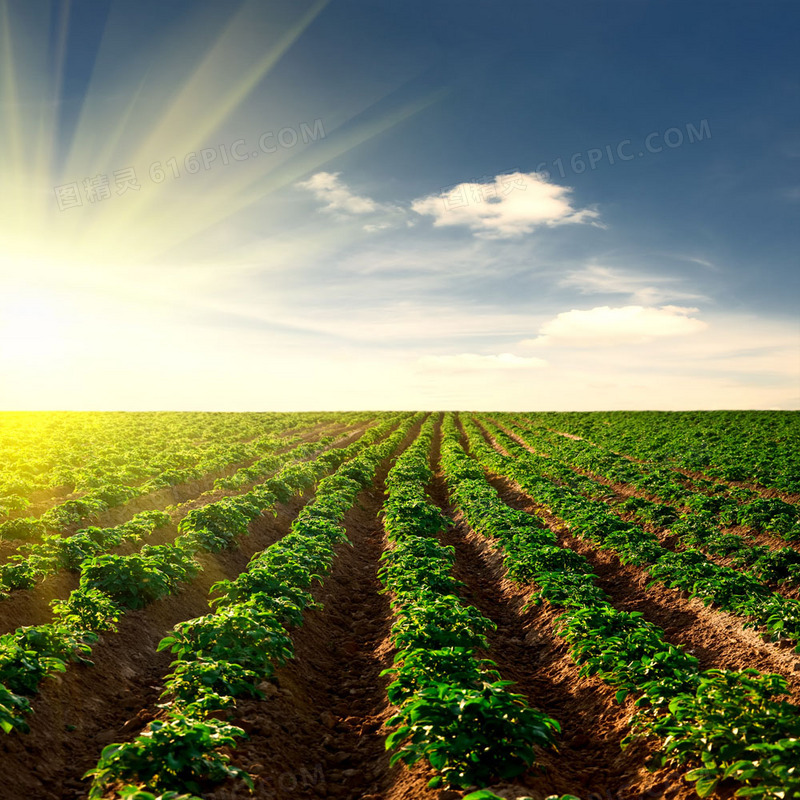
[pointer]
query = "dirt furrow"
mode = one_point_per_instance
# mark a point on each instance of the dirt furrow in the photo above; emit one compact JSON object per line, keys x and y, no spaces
{"x":321,"y":733}
{"x":32,"y":606}
{"x":76,"y":714}
{"x":715,"y":637}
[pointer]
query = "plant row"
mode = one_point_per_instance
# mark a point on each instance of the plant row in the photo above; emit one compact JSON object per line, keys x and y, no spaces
{"x":722,"y":723}
{"x":46,"y":455}
{"x":755,"y":446}
{"x":79,"y":453}
{"x":231,"y":652}
{"x":694,"y":529}
{"x":452,"y":707}
{"x":53,"y":553}
{"x":110,"y":491}
{"x":728,"y":506}
{"x":689,"y":570}
{"x":112,"y":584}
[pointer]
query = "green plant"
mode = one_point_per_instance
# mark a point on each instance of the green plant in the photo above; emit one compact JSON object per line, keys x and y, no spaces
{"x":434,"y":621}
{"x":210,"y":681}
{"x":31,"y":653}
{"x":12,"y":709}
{"x":738,"y":729}
{"x":87,"y":610}
{"x":469,"y":735}
{"x":173,"y":755}
{"x":136,"y":580}
{"x":251,"y":638}
{"x":135,"y":793}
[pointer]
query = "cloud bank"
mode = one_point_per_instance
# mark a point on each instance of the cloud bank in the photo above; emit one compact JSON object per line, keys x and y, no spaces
{"x":603,"y":326}
{"x":508,"y":206}
{"x":336,"y":196}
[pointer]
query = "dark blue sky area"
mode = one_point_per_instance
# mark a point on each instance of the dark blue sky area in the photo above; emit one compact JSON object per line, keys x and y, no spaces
{"x":532,"y":84}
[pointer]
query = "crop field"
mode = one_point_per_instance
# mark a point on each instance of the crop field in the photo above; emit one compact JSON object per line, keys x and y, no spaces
{"x":400,"y":606}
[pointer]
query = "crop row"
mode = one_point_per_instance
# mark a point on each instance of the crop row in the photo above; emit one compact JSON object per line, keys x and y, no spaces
{"x":111,"y":584}
{"x":78,"y":454}
{"x":728,"y":506}
{"x":53,"y":553}
{"x":722,"y":723}
{"x":232,"y":651}
{"x":108,"y":488}
{"x":692,"y":528}
{"x":688,"y":570}
{"x":760,"y":446}
{"x":453,"y":709}
{"x":47,"y":455}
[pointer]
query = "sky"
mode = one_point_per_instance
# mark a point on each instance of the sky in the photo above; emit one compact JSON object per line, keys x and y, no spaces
{"x":334,"y":205}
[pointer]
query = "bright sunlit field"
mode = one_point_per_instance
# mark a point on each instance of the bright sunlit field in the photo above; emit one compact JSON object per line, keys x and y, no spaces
{"x":414,"y":604}
{"x":399,"y":401}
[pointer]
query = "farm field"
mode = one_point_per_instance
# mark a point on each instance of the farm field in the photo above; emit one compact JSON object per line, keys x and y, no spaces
{"x":400,"y":606}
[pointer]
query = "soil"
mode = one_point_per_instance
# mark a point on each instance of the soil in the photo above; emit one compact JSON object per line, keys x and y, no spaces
{"x":154,"y":501}
{"x":762,"y":491}
{"x":320,"y":730}
{"x":32,"y":606}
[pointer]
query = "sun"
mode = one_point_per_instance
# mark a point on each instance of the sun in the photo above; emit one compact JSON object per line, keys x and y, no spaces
{"x":34,"y":328}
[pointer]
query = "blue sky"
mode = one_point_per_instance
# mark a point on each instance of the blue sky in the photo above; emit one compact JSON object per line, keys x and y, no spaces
{"x":372,"y":204}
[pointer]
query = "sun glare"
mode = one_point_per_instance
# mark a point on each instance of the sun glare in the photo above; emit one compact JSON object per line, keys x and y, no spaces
{"x":33,"y":328}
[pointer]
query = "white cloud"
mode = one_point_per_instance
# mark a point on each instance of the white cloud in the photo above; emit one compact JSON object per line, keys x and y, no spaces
{"x":645,"y":290}
{"x":603,"y":326}
{"x":336,"y":195}
{"x":340,"y":201}
{"x":473,"y":361}
{"x":508,"y":206}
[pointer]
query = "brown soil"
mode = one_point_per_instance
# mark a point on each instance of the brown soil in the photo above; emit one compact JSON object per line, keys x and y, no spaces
{"x":32,"y":606}
{"x":762,"y":491}
{"x":78,"y":713}
{"x":159,"y":500}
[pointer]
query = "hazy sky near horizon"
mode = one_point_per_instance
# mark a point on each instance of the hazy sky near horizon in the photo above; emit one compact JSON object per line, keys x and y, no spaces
{"x":352,"y":204}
